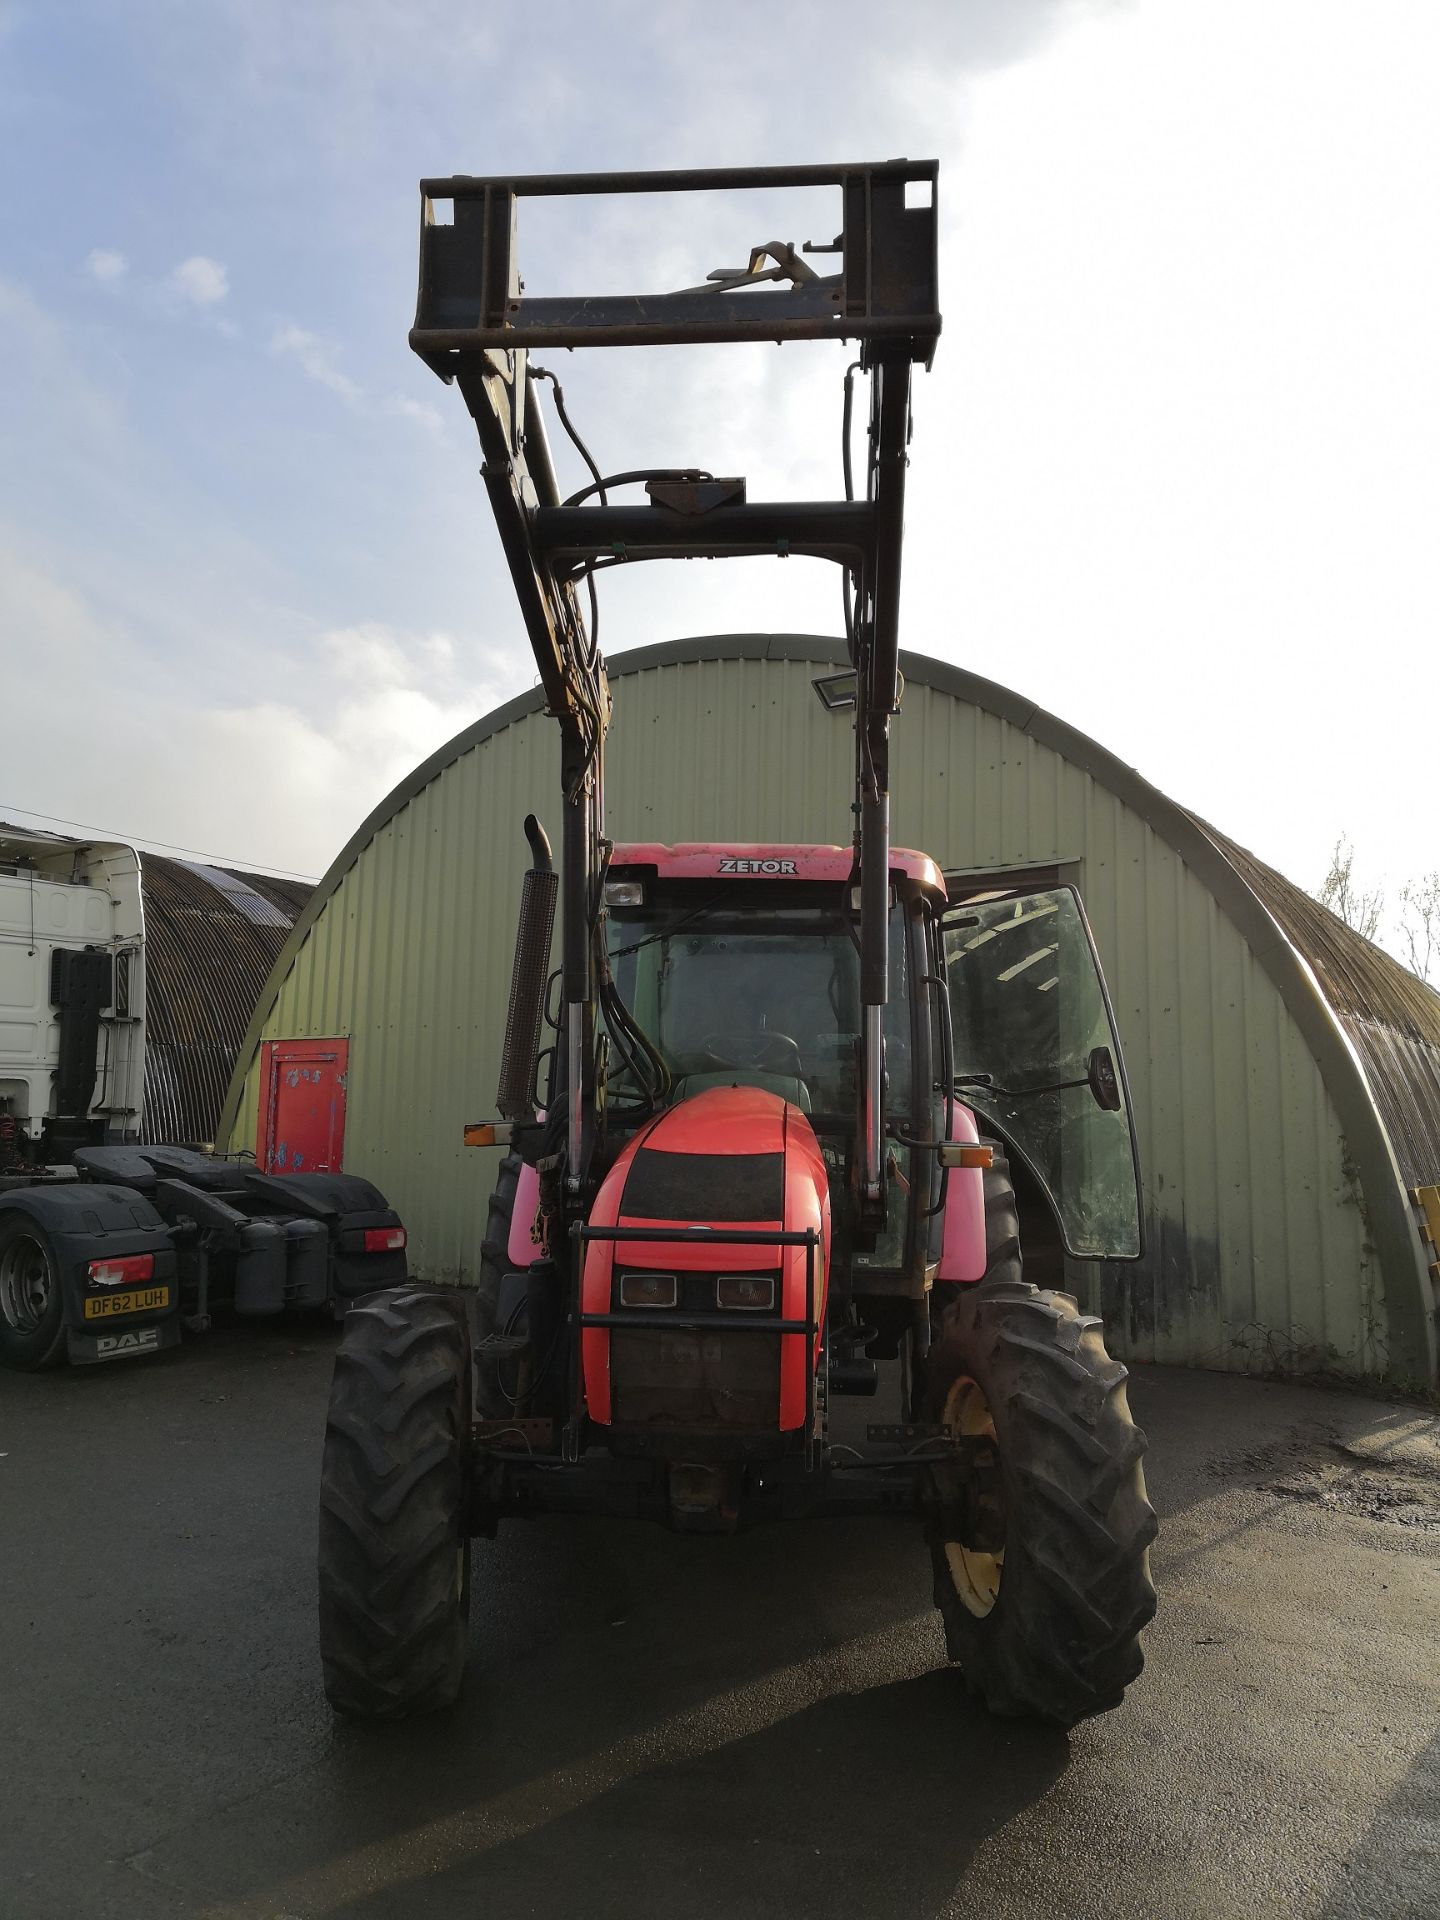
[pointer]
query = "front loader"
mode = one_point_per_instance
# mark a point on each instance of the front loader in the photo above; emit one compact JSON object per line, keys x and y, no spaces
{"x":800,"y":1104}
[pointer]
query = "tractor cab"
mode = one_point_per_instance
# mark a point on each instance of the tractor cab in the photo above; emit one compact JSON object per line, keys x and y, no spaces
{"x":741,"y":964}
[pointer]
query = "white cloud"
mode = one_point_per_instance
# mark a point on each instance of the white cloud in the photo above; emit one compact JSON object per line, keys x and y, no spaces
{"x":316,"y":358}
{"x":417,"y":410}
{"x":376,"y":702}
{"x":386,"y":703}
{"x":1174,"y":473}
{"x":106,"y":265}
{"x":200,"y":280}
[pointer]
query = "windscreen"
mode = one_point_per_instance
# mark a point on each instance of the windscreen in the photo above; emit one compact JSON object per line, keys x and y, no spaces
{"x":1033,"y":1031}
{"x":760,"y":994}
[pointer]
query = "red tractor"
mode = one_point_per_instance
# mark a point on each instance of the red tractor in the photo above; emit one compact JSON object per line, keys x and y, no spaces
{"x":754,"y":1177}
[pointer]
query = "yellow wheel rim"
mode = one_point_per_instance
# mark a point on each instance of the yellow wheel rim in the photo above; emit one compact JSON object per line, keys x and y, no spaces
{"x":974,"y":1575}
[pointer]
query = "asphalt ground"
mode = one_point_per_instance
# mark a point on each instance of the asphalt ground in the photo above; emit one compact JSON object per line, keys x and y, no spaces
{"x":657,"y":1725}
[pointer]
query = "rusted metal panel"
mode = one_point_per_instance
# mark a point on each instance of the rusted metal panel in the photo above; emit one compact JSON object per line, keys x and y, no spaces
{"x":302,"y":1109}
{"x":211,"y":938}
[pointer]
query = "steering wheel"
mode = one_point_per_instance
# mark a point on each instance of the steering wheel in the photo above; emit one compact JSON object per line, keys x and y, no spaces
{"x":758,"y":1051}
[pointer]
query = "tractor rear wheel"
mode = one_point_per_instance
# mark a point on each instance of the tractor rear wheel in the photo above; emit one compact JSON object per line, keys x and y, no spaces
{"x":394,"y":1553}
{"x":1041,"y":1562}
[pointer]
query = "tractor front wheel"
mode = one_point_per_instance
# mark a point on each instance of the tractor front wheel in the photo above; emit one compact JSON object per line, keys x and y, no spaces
{"x":394,"y":1553}
{"x":1041,"y":1550}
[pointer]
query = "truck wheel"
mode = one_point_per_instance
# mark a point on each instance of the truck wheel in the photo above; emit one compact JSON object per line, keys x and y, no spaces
{"x":394,"y":1554}
{"x":1041,"y":1561}
{"x":32,"y":1306}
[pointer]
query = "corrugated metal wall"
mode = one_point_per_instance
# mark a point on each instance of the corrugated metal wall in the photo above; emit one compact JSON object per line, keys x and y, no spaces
{"x":1258,"y":1247}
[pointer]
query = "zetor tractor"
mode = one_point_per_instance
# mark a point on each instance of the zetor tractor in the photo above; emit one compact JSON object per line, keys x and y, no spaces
{"x":802,"y":1107}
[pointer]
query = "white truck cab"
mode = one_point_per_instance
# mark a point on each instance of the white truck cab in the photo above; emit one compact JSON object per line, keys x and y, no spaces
{"x":72,"y":994}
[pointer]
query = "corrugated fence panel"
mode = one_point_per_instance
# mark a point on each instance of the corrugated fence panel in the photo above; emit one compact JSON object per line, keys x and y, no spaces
{"x":211,"y":938}
{"x":1257,"y":1254}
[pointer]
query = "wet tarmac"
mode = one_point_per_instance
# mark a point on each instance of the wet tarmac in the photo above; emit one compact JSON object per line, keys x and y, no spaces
{"x":655,"y":1725}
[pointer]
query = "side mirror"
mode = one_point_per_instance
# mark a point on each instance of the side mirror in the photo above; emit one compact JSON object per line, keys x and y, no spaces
{"x":1102,"y":1080}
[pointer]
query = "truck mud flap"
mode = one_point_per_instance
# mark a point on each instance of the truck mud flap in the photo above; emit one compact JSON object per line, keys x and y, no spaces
{"x":118,"y":1272}
{"x":366,"y":1236}
{"x":122,"y":1343}
{"x":364,"y":1256}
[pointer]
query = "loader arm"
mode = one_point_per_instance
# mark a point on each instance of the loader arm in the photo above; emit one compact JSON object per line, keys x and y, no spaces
{"x":475,"y":324}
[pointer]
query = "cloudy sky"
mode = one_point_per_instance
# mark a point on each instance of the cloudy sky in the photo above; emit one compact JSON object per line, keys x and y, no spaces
{"x":1175,"y":472}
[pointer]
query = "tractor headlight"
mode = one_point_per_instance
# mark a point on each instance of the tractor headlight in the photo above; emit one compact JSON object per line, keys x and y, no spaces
{"x":749,"y":1292}
{"x":647,"y":1290}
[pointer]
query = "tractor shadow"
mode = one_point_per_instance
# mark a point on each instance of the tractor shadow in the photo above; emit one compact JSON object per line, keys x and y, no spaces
{"x":857,"y":1806}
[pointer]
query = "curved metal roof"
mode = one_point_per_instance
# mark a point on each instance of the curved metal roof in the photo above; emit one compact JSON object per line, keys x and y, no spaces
{"x":212,"y":939}
{"x":1392,"y":1017}
{"x":1315,"y":971}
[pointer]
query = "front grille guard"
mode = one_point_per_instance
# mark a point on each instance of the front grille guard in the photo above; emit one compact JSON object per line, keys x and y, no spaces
{"x":541,"y":1479}
{"x":638,"y":1318}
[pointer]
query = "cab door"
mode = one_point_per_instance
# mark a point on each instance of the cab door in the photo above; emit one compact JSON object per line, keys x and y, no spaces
{"x":1037,"y":1055}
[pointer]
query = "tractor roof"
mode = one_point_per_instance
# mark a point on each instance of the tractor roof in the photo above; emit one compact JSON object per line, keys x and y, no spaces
{"x":768,"y":860}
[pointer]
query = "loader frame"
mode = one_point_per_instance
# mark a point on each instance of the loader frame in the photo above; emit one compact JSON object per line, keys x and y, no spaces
{"x":475,"y":325}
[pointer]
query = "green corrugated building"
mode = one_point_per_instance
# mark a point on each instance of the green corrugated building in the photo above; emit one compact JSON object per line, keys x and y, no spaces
{"x":1285,"y":1075}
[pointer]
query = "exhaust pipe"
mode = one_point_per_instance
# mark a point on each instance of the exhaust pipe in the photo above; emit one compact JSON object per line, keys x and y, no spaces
{"x":538,"y":890}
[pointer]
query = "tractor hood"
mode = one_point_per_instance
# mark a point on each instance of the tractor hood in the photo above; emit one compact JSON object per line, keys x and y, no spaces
{"x":734,"y":1158}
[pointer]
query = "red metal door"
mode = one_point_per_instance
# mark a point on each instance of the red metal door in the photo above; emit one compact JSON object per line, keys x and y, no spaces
{"x":302,"y":1105}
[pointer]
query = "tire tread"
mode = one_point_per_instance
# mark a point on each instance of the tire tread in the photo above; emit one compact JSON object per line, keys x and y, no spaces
{"x":1062,"y":1641}
{"x":393,"y":1601}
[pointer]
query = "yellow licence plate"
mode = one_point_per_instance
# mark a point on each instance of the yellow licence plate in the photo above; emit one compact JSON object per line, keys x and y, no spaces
{"x":140,"y":1300}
